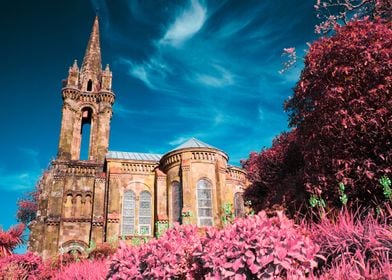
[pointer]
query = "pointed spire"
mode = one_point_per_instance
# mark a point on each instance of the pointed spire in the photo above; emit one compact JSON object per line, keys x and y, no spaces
{"x":75,"y":65}
{"x":92,"y":66}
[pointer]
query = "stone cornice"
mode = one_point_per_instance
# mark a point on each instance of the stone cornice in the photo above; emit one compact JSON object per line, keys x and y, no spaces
{"x":236,"y":173}
{"x":198,"y":154}
{"x":77,"y":167}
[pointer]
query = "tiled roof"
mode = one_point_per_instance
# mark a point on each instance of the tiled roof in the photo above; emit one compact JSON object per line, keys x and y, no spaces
{"x":133,"y":156}
{"x":193,"y":143}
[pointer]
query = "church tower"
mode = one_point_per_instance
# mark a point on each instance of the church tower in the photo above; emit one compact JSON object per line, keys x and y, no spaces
{"x":72,"y":191}
{"x":87,"y":106}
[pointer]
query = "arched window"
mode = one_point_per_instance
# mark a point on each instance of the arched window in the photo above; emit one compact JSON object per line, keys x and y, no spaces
{"x":85,"y":133}
{"x":78,"y":206}
{"x":204,"y":203}
{"x":128,"y":214}
{"x":176,"y":202}
{"x":90,"y":85}
{"x":87,"y":206}
{"x":68,"y":206}
{"x":145,"y":213}
{"x":238,"y":204}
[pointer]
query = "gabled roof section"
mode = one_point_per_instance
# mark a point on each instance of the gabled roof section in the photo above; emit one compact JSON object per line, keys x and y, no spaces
{"x":133,"y":156}
{"x":194,"y":143}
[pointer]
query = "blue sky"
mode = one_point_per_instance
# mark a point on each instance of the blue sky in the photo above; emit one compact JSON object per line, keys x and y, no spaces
{"x":181,"y":69}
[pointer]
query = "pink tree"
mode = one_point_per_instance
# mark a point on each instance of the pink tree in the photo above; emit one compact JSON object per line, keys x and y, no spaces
{"x":342,"y":108}
{"x":10,"y":239}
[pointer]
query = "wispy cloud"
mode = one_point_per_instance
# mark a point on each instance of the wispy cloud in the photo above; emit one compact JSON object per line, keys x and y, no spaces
{"x":25,"y":178}
{"x":187,"y":24}
{"x":152,"y":72}
{"x":218,"y":77}
{"x":213,"y":67}
{"x":23,"y":181}
{"x":177,"y":141}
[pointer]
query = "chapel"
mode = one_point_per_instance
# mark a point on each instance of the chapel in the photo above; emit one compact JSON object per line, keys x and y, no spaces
{"x":119,"y":195}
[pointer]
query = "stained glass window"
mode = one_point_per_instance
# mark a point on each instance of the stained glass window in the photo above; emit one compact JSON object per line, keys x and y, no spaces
{"x":145,"y":213}
{"x":204,"y":203}
{"x":176,"y":201}
{"x":238,"y":204}
{"x":128,"y":216}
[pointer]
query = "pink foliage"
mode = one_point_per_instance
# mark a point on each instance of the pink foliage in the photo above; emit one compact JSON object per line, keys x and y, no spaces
{"x":83,"y":270}
{"x":291,"y":59}
{"x":259,"y":247}
{"x":170,"y":256}
{"x":26,"y":210}
{"x":276,"y":175}
{"x":356,"y":241}
{"x":342,"y":111}
{"x":252,"y":247}
{"x":10,"y":239}
{"x":356,"y":267}
{"x":26,"y":266}
{"x":333,"y":13}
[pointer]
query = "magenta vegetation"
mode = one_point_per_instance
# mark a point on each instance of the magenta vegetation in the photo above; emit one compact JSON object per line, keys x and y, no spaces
{"x":83,"y":270}
{"x":355,"y":246}
{"x":342,"y":118}
{"x":252,"y":248}
{"x":345,"y":246}
{"x":10,"y":239}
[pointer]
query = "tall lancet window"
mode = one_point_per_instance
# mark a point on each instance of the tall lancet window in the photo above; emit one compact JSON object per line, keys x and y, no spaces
{"x":128,"y":214}
{"x":176,"y":202}
{"x":90,"y":85}
{"x":204,"y":203}
{"x":85,"y":133}
{"x":238,"y":204}
{"x":145,"y":213}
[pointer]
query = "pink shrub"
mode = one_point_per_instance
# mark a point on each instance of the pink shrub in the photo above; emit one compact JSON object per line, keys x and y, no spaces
{"x":356,"y":267}
{"x":170,"y":256}
{"x":83,"y":270}
{"x":257,"y":248}
{"x":356,"y":241}
{"x":251,"y":248}
{"x":26,"y":266}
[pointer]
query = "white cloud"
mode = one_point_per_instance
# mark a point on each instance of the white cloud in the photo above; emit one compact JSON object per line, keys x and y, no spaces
{"x":261,"y":114}
{"x":139,"y":72}
{"x":186,"y":25}
{"x":219,"y":77}
{"x":152,"y":72}
{"x":23,"y":181}
{"x":178,"y":141}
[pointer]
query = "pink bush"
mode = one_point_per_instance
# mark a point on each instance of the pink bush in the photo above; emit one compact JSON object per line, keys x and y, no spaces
{"x":83,"y":270}
{"x":26,"y":266}
{"x":259,"y":247}
{"x":170,"y":256}
{"x":251,"y":248}
{"x":356,"y":267}
{"x":357,"y":241}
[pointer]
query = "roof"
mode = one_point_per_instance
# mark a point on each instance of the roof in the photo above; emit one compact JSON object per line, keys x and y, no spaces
{"x":193,"y":143}
{"x":133,"y":156}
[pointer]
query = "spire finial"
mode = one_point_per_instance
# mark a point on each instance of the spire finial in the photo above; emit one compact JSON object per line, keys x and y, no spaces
{"x":92,"y":66}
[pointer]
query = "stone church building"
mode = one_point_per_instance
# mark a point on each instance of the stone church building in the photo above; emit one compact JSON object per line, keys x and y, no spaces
{"x":115,"y":194}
